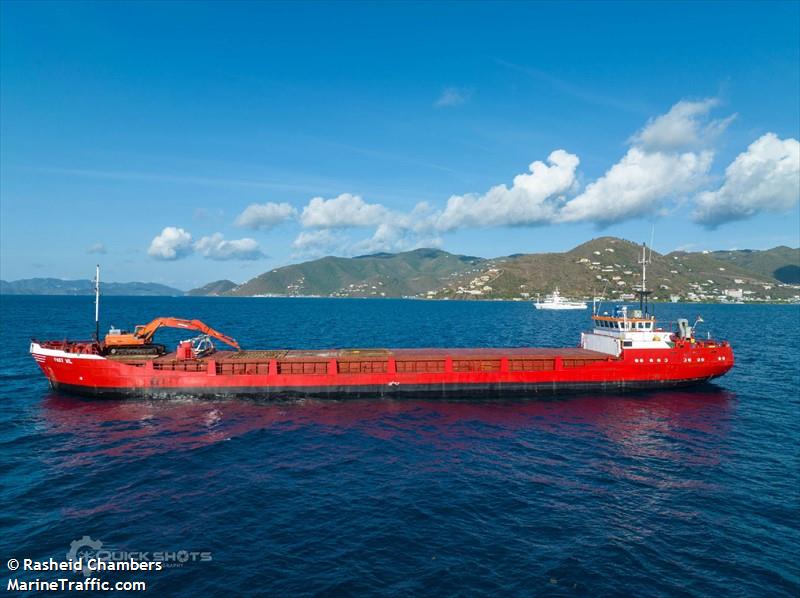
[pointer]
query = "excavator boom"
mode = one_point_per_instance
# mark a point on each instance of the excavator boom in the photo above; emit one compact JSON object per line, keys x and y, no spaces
{"x":144,"y":334}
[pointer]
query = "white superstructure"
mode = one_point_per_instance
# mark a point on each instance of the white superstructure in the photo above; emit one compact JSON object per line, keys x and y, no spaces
{"x":633,"y":329}
{"x":625,"y":330}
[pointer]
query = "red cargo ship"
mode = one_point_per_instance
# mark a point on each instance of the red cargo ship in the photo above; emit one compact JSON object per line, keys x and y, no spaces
{"x":624,"y":350}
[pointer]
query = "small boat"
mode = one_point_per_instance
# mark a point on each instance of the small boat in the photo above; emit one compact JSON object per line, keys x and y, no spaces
{"x":556,"y":301}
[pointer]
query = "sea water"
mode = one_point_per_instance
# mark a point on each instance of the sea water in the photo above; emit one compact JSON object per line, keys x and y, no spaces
{"x":692,"y":491}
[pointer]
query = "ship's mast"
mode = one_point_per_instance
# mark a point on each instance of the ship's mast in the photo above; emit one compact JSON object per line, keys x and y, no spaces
{"x":97,"y":303}
{"x":644,"y":267}
{"x":643,"y":293}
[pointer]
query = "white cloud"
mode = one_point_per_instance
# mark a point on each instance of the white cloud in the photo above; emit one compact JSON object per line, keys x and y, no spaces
{"x":685,"y":125}
{"x":390,"y":238}
{"x":650,"y":173}
{"x":451,"y":96}
{"x":656,"y":169}
{"x":668,"y":161}
{"x":265,"y":215}
{"x":397,"y":232}
{"x":215,"y":247}
{"x":344,"y":211}
{"x":636,"y":185}
{"x":766,"y":177}
{"x":316,"y":243}
{"x":173,"y":243}
{"x":532,"y":199}
{"x":99,"y":248}
{"x":316,"y":238}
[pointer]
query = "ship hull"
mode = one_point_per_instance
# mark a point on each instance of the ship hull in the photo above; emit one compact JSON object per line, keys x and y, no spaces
{"x":409,"y":391}
{"x":336,"y":374}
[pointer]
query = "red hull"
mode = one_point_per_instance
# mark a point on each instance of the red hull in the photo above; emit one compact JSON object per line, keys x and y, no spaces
{"x":381,"y":373}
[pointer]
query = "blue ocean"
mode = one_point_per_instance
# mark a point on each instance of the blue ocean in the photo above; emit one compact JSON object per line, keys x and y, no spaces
{"x":690,"y":492}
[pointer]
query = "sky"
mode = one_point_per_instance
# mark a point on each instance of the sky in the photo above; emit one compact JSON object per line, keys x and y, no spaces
{"x":188,"y":142}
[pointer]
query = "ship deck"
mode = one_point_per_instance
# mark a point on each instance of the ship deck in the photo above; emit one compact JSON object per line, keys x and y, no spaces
{"x":371,"y":361}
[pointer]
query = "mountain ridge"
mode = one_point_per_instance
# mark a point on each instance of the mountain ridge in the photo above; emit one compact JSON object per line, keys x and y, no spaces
{"x":58,"y":286}
{"x":380,"y":275}
{"x":213,"y":289}
{"x":604,"y":265}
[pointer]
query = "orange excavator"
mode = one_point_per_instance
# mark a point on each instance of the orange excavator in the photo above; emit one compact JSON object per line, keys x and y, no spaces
{"x":140,"y":340}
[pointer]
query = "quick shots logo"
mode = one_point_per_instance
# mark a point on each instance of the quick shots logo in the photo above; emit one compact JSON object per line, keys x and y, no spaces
{"x":91,"y":556}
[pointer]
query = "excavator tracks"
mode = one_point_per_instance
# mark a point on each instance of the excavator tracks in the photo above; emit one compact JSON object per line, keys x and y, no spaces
{"x":151,"y":350}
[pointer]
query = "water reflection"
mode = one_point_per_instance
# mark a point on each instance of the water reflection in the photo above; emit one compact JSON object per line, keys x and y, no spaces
{"x":642,"y":425}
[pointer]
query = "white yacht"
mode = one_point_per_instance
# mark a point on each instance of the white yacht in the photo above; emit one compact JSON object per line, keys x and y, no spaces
{"x":556,"y":301}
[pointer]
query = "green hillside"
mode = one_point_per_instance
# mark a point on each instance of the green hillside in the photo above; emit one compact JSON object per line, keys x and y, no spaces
{"x":609,"y":266}
{"x":213,"y":289}
{"x":379,"y":275}
{"x":606,"y":266}
{"x":781,"y":263}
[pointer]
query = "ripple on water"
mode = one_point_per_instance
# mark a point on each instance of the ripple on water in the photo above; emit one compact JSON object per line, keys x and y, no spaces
{"x":688,"y":491}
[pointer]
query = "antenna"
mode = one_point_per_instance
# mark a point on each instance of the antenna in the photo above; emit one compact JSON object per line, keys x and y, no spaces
{"x":644,"y":292}
{"x":602,"y":298}
{"x":97,"y":304}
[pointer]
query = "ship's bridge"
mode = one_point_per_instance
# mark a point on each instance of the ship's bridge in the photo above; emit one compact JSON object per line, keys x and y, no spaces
{"x":624,"y":329}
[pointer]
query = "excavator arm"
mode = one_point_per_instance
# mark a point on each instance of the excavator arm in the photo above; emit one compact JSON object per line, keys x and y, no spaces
{"x":144,"y":334}
{"x":147,"y":331}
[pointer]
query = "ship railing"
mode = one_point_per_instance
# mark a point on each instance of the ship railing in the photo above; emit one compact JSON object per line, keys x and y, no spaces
{"x":373,"y":366}
{"x":394,"y":366}
{"x":88,"y":347}
{"x":184,"y":365}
